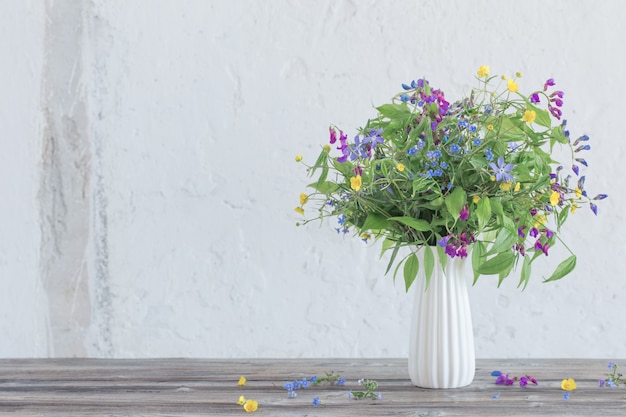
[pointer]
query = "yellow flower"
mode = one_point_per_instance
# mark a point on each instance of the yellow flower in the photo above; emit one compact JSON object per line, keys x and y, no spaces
{"x":250,"y":406}
{"x":517,"y":186}
{"x":540,"y":219}
{"x":299,"y":210}
{"x":476,"y":199}
{"x":242,"y":379}
{"x":489,"y":127}
{"x":512,"y":86}
{"x":568,"y":384}
{"x":573,"y":208}
{"x":303,"y":198}
{"x":400,"y":167}
{"x":505,"y":186}
{"x":503,"y":77}
{"x":355,"y":183}
{"x":327,"y":148}
{"x":578,"y":192}
{"x":518,"y":74}
{"x":493,"y":178}
{"x":483,"y":71}
{"x":298,"y":158}
{"x":529,"y":116}
{"x":555,"y":197}
{"x":241,"y":401}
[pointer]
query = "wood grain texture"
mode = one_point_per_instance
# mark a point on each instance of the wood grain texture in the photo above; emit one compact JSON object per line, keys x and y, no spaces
{"x":208,"y":387}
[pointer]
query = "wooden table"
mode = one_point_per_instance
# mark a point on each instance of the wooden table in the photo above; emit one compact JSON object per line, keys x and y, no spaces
{"x":207,"y":387}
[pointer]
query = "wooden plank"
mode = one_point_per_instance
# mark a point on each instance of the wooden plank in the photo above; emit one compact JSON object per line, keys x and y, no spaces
{"x":194,"y":387}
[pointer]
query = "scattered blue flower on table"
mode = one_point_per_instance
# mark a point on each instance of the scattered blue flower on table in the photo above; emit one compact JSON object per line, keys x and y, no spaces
{"x":614,"y":377}
{"x":495,"y":396}
{"x":566,"y":395}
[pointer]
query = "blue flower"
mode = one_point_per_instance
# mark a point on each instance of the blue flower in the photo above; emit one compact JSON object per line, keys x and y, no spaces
{"x":488,"y":154}
{"x":477,"y":142}
{"x":454,"y":148}
{"x":502,"y":171}
{"x":316,"y":401}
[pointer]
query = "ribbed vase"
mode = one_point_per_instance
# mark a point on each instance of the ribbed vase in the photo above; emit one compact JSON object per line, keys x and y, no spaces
{"x":441,"y":351}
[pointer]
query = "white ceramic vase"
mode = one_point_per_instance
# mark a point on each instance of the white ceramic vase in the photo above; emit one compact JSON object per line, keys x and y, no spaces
{"x":441,"y":351}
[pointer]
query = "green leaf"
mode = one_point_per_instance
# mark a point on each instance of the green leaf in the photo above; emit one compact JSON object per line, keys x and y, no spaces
{"x":394,"y":111}
{"x":455,"y":202}
{"x":562,"y":216}
{"x":525,"y":274}
{"x":563,"y":269}
{"x":417,"y":224}
{"x":326,"y":187}
{"x":542,"y":116}
{"x":500,"y":262}
{"x":483,"y":212}
{"x":496,"y":206}
{"x":411,"y":267}
{"x":429,"y":264}
{"x":393,"y":255}
{"x":478,"y":254}
{"x":505,"y":239}
{"x":375,"y":221}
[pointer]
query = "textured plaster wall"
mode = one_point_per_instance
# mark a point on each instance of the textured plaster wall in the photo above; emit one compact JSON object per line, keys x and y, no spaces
{"x":148,"y":181}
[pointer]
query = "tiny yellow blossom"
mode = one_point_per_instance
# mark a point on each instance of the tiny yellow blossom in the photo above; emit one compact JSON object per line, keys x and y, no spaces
{"x":400,"y":167}
{"x":250,"y":406}
{"x":242,"y":379}
{"x":355,"y":183}
{"x":299,"y":210}
{"x":483,"y":71}
{"x":303,"y":198}
{"x":517,"y":187}
{"x":578,"y":192}
{"x":476,"y":199}
{"x":298,"y":158}
{"x":326,"y":148}
{"x":555,"y":197}
{"x":573,"y":208}
{"x":529,"y":116}
{"x":503,"y":77}
{"x":540,"y":219}
{"x":568,"y":384}
{"x":365,"y":236}
{"x":512,"y":86}
{"x":518,"y":74}
{"x":489,"y":127}
{"x":493,"y":178}
{"x":241,"y":401}
{"x":505,"y":186}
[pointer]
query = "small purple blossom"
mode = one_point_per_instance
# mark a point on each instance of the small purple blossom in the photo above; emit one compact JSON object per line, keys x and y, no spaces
{"x":464,"y":213}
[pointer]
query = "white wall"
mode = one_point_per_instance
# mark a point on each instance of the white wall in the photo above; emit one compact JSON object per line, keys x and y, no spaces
{"x":148,"y":180}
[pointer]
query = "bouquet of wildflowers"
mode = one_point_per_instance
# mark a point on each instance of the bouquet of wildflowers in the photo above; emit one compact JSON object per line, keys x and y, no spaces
{"x":475,"y":178}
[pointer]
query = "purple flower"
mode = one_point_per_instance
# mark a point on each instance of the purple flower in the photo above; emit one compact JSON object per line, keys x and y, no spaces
{"x":464,"y":213}
{"x":501,"y":170}
{"x":549,"y":83}
{"x":374,"y":138}
{"x":520,"y":231}
{"x":594,"y":208}
{"x":523,"y":381}
{"x":534,"y":98}
{"x":444,"y":241}
{"x":601,"y":382}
